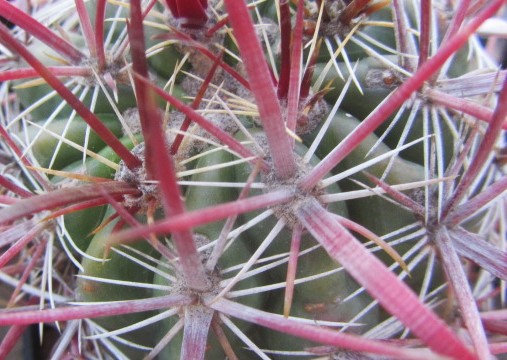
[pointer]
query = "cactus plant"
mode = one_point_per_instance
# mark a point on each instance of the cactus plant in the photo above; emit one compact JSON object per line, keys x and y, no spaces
{"x":241,"y":180}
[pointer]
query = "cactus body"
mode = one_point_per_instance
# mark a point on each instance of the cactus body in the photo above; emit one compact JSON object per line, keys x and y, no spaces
{"x":226,"y":132}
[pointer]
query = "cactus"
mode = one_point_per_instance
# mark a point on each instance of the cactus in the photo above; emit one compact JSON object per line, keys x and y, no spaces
{"x":253,"y":180}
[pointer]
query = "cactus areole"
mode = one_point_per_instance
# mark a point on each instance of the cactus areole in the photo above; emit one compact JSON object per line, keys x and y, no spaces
{"x":191,"y":13}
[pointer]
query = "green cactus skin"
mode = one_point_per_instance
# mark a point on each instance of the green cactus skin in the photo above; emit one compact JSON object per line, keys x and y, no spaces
{"x":320,"y":299}
{"x":377,"y":82}
{"x":197,"y":197}
{"x":46,"y":142}
{"x":374,"y":213}
{"x":117,"y":267}
{"x":80,"y":224}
